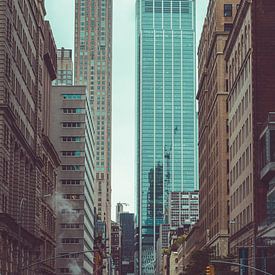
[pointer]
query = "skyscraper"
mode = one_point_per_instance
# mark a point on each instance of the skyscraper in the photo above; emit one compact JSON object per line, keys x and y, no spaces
{"x":93,"y":68}
{"x":166,"y":117}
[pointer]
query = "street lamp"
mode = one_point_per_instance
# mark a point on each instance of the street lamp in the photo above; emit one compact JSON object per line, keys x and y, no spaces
{"x":19,"y":234}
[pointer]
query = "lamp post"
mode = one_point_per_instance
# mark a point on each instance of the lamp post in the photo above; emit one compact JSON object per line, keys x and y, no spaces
{"x":19,"y":235}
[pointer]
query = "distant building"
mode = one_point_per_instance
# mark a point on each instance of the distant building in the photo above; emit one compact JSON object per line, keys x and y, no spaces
{"x":72,"y":131}
{"x":119,"y":209}
{"x":93,"y":68}
{"x":64,"y":68}
{"x":164,"y":235}
{"x":183,"y":208}
{"x":166,"y":149}
{"x":127,"y":243}
{"x":116,"y":247}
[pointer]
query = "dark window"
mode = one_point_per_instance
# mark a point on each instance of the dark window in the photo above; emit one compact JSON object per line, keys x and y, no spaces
{"x":228,"y":27}
{"x":227,"y":10}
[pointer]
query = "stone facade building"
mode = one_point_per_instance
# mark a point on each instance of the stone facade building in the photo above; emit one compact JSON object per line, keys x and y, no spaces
{"x":28,"y":159}
{"x":213,"y":130}
{"x":250,"y":58}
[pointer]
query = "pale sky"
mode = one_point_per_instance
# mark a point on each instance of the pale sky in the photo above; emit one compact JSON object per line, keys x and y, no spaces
{"x":61,"y":16}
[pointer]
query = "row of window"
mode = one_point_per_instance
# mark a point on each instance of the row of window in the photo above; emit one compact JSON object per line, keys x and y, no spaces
{"x":70,"y":240}
{"x":73,"y":96}
{"x":241,"y":193}
{"x":71,"y":167}
{"x":70,"y":182}
{"x":70,"y":225}
{"x":72,"y":153}
{"x":73,"y":110}
{"x":71,"y":124}
{"x":71,"y":139}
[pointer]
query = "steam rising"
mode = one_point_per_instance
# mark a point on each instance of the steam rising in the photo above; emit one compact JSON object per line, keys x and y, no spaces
{"x":63,"y":206}
{"x":74,"y":268}
{"x":69,"y":215}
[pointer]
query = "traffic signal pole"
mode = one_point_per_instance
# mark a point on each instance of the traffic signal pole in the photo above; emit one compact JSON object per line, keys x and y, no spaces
{"x":241,"y":265}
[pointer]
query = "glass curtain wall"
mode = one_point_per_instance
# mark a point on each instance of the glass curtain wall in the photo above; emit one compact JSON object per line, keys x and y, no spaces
{"x":166,"y":115}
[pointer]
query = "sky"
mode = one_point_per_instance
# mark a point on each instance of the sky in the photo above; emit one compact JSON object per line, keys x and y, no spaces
{"x":60,"y":13}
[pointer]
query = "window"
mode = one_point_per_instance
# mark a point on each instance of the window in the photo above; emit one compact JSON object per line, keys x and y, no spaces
{"x":71,"y":124}
{"x":71,"y":153}
{"x":70,"y":240}
{"x":73,"y":110}
{"x":74,"y":182}
{"x":228,"y":27}
{"x":227,"y":10}
{"x":70,"y":225}
{"x":71,"y":139}
{"x":71,"y":167}
{"x":73,"y":96}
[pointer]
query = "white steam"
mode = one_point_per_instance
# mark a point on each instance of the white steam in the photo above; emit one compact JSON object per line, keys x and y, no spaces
{"x":64,"y":207}
{"x":74,"y":268}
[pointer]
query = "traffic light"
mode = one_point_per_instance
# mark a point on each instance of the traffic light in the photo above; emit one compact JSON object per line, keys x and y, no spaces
{"x":210,"y":270}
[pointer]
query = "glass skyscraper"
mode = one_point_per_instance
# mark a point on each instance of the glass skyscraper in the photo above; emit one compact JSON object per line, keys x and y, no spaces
{"x":166,"y":115}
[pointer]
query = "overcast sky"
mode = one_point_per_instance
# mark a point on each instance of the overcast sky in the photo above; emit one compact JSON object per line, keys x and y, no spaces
{"x":61,"y":16}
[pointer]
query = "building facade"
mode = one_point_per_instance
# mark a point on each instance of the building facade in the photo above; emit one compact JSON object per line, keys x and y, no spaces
{"x":127,"y":242}
{"x":93,"y":68}
{"x":183,"y":208}
{"x":213,"y":128}
{"x":64,"y":68}
{"x":72,"y":131}
{"x":250,"y":58}
{"x":28,"y":162}
{"x":266,"y":229}
{"x":166,"y":116}
{"x":116,"y":247}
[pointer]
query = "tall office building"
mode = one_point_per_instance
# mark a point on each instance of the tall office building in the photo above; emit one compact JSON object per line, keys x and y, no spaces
{"x":213,"y":130}
{"x":64,"y":68}
{"x":166,"y":116}
{"x":72,"y":131}
{"x":93,"y":68}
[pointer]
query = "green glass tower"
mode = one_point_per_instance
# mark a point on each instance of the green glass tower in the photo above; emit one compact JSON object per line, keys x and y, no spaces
{"x":166,"y":115}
